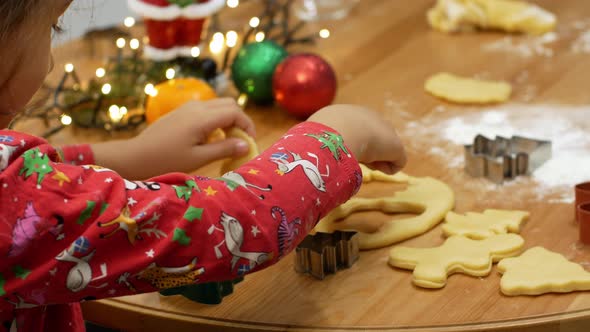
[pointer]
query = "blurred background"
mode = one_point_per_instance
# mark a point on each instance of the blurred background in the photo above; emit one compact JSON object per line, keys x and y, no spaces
{"x":86,"y":15}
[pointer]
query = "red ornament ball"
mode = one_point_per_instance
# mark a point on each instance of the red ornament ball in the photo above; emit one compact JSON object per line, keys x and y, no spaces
{"x":303,"y":84}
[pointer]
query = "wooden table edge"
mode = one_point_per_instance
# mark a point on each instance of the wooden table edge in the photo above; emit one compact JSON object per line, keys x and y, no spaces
{"x":118,"y":314}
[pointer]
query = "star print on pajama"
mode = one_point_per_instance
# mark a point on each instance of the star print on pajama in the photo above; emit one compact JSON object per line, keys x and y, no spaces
{"x":91,"y":234}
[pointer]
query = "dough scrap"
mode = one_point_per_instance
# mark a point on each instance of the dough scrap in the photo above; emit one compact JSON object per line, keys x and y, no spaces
{"x":458,"y":254}
{"x":539,"y":271}
{"x":467,"y":90}
{"x":506,"y":15}
{"x":233,"y":164}
{"x":479,"y":226}
{"x":427,"y":196}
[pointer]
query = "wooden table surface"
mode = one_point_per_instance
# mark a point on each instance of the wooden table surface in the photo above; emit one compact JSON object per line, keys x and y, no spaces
{"x":383,"y":53}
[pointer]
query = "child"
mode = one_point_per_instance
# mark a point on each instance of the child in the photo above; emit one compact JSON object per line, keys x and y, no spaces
{"x":71,"y":231}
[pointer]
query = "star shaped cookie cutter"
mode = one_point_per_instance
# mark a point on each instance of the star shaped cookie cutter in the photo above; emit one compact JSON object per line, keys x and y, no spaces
{"x":505,"y":158}
{"x":324,"y":253}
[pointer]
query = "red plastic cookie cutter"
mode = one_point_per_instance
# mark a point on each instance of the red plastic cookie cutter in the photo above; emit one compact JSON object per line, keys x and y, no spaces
{"x":583,"y":213}
{"x":582,"y":196}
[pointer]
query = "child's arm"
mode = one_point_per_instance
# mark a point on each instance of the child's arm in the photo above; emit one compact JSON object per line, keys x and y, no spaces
{"x":81,"y":232}
{"x":178,"y":142}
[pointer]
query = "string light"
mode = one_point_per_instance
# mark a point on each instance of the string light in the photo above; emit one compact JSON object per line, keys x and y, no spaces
{"x":69,"y":67}
{"x":100,"y":72}
{"x":324,"y":33}
{"x":233,"y":3}
{"x":231,"y":38}
{"x":129,"y":22}
{"x":259,"y":36}
{"x":115,"y":113}
{"x":195,"y":52}
{"x":106,"y":89}
{"x":242,"y":100}
{"x":218,"y":36}
{"x":121,"y":42}
{"x":66,"y":120}
{"x":150,"y":90}
{"x":254,"y":22}
{"x":170,"y":73}
{"x":134,"y":44}
{"x":216,"y":44}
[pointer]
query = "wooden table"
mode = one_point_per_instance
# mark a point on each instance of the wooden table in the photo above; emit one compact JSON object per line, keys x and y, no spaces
{"x":383,"y":53}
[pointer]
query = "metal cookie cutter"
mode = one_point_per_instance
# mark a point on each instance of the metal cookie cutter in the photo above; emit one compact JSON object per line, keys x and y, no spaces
{"x":505,"y":158}
{"x":325,"y":253}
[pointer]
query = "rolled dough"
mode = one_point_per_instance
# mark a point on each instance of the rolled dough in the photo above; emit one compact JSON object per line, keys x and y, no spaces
{"x":483,"y":225}
{"x":506,"y":15}
{"x":430,"y":198}
{"x":467,"y":90}
{"x":458,"y":254}
{"x":539,"y":271}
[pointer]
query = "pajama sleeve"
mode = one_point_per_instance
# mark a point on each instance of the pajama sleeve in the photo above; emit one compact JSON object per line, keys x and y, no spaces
{"x":72,"y":231}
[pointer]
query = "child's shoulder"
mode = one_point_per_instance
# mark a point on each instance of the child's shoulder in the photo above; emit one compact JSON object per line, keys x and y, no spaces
{"x":14,"y":144}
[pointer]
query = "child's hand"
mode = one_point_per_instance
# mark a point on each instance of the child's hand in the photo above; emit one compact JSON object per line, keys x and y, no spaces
{"x":178,"y":141}
{"x":372,"y":140}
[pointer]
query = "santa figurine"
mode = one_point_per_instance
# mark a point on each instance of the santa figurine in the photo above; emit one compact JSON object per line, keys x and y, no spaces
{"x":174,"y":27}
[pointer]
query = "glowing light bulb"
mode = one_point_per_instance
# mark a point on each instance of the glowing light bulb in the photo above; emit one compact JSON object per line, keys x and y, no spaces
{"x":324,"y":33}
{"x":115,"y":113}
{"x":134,"y":44}
{"x":100,"y":72}
{"x":231,"y":38}
{"x":195,"y":52}
{"x":218,"y":36}
{"x":106,"y":89}
{"x":254,"y":22}
{"x":150,"y":90}
{"x":129,"y":21}
{"x":123,"y":111}
{"x":233,"y":3}
{"x":66,"y":120}
{"x":242,"y":100}
{"x":170,"y":73}
{"x":216,"y":46}
{"x":121,"y":42}
{"x":259,"y":36}
{"x":69,"y":68}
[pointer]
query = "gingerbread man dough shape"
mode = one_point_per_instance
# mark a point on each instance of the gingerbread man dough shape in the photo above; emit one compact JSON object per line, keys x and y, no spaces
{"x":483,"y":225}
{"x":428,"y":197}
{"x":458,"y":254}
{"x":539,"y":271}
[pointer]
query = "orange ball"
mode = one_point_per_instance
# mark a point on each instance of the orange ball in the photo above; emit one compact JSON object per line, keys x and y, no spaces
{"x":172,"y":94}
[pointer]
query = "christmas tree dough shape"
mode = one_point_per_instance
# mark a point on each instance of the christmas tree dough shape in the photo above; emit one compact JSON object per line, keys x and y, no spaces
{"x":430,"y":198}
{"x":483,"y":225}
{"x":467,"y":90}
{"x":539,"y":271}
{"x":506,"y":15}
{"x":458,"y":254}
{"x":233,"y":164}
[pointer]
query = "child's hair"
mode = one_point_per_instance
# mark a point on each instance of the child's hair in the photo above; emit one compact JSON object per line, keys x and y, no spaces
{"x":14,"y":13}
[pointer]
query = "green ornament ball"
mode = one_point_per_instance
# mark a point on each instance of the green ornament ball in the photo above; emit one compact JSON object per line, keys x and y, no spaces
{"x":254,"y":67}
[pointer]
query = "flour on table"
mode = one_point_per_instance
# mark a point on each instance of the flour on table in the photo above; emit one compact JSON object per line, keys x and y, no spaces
{"x":582,"y":43}
{"x":525,"y":46}
{"x":567,"y":127}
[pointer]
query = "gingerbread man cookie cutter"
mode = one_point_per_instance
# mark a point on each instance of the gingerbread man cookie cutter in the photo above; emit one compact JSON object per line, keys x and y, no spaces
{"x":325,"y":253}
{"x":503,"y":158}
